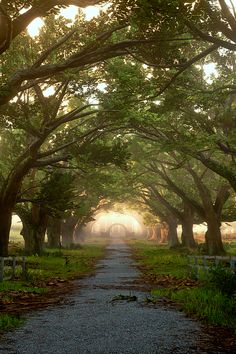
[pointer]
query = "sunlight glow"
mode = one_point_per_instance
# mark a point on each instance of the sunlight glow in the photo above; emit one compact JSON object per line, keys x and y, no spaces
{"x":210,"y":72}
{"x":104,"y":221}
{"x":231,"y":4}
{"x":49,"y":91}
{"x":102,"y":86}
{"x":69,"y":12}
{"x":91,"y":12}
{"x":35,"y":26}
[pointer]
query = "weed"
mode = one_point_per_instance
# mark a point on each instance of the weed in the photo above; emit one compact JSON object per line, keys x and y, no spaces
{"x":9,"y":322}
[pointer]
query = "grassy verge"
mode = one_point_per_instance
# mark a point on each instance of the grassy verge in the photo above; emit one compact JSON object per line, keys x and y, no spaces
{"x":45,"y":272}
{"x":158,"y":259}
{"x":204,"y":299}
{"x":64,"y":264}
{"x":8,"y":322}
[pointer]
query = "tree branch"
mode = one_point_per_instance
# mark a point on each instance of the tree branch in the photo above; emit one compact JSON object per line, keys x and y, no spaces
{"x":227,"y":15}
{"x":51,"y":161}
{"x":79,"y":61}
{"x":41,"y":10}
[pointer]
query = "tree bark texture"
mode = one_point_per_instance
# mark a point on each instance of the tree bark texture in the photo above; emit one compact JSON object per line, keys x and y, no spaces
{"x":34,"y":228}
{"x":54,"y":232}
{"x":173,"y":240}
{"x":5,"y":226}
{"x":187,"y":237}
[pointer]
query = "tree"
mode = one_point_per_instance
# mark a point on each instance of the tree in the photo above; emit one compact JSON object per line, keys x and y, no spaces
{"x":13,"y":22}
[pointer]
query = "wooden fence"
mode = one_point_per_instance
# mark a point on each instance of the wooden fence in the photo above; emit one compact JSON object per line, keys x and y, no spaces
{"x":11,"y":263}
{"x":202,"y":264}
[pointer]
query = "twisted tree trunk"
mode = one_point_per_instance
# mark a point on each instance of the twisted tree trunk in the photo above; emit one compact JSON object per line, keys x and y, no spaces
{"x":54,"y":232}
{"x":34,"y":222}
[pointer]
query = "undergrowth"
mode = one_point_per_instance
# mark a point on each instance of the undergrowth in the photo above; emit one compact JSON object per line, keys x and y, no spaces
{"x":208,"y":304}
{"x":214,"y":300}
{"x":60,"y":264}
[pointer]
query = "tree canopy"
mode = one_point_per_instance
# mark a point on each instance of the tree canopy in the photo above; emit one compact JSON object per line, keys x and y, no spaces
{"x":124,"y":98}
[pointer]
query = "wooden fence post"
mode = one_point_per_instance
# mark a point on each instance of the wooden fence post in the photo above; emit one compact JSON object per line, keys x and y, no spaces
{"x":23,"y":265}
{"x":232,"y":263}
{"x":13,"y":267}
{"x":1,"y":268}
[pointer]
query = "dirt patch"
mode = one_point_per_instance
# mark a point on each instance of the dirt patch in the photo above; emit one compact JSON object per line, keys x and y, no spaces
{"x":164,"y":281}
{"x":20,"y":302}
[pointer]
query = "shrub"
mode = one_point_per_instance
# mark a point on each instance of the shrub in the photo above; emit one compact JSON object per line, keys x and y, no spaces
{"x":223,"y":279}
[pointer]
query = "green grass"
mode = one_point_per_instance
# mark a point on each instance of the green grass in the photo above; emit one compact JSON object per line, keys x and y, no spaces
{"x":20,"y":286}
{"x":208,"y":304}
{"x":204,"y":300}
{"x":161,"y":260}
{"x":64,"y":264}
{"x":8,"y":322}
{"x":231,"y":248}
{"x":57,"y":264}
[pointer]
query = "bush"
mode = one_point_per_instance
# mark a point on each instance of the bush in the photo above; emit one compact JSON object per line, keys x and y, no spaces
{"x":223,"y":279}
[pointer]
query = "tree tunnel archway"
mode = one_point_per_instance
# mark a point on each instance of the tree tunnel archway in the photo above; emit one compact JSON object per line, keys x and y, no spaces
{"x":117,"y":229}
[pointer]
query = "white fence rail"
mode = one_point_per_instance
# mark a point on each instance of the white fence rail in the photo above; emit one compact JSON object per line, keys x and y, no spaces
{"x":11,"y":263}
{"x":202,"y":264}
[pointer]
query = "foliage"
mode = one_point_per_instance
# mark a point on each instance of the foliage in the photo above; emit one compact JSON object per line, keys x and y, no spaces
{"x":210,"y":305}
{"x":223,"y":279}
{"x":206,"y":301}
{"x":57,"y":192}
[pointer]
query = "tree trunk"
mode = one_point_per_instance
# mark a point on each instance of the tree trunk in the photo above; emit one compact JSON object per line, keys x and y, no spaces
{"x":34,"y":228}
{"x":54,"y":232}
{"x":187,"y":236}
{"x":214,"y":244}
{"x":213,"y":211}
{"x":173,"y":240}
{"x":149,"y":232}
{"x":5,"y":226}
{"x":155,"y":233}
{"x":79,"y":232}
{"x":164,"y":233}
{"x":67,"y":230}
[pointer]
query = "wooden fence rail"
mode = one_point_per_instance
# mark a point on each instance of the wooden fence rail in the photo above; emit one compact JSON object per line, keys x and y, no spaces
{"x":13,"y":262}
{"x":205,"y":263}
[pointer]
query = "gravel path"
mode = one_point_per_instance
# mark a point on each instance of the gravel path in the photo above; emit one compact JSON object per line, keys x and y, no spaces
{"x":92,"y":324}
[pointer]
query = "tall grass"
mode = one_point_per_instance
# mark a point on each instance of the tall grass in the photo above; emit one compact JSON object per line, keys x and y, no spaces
{"x":9,"y":322}
{"x":204,"y":300}
{"x":209,"y":304}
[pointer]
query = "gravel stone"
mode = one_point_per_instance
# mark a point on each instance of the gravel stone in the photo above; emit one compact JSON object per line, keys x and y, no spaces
{"x":93,"y":324}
